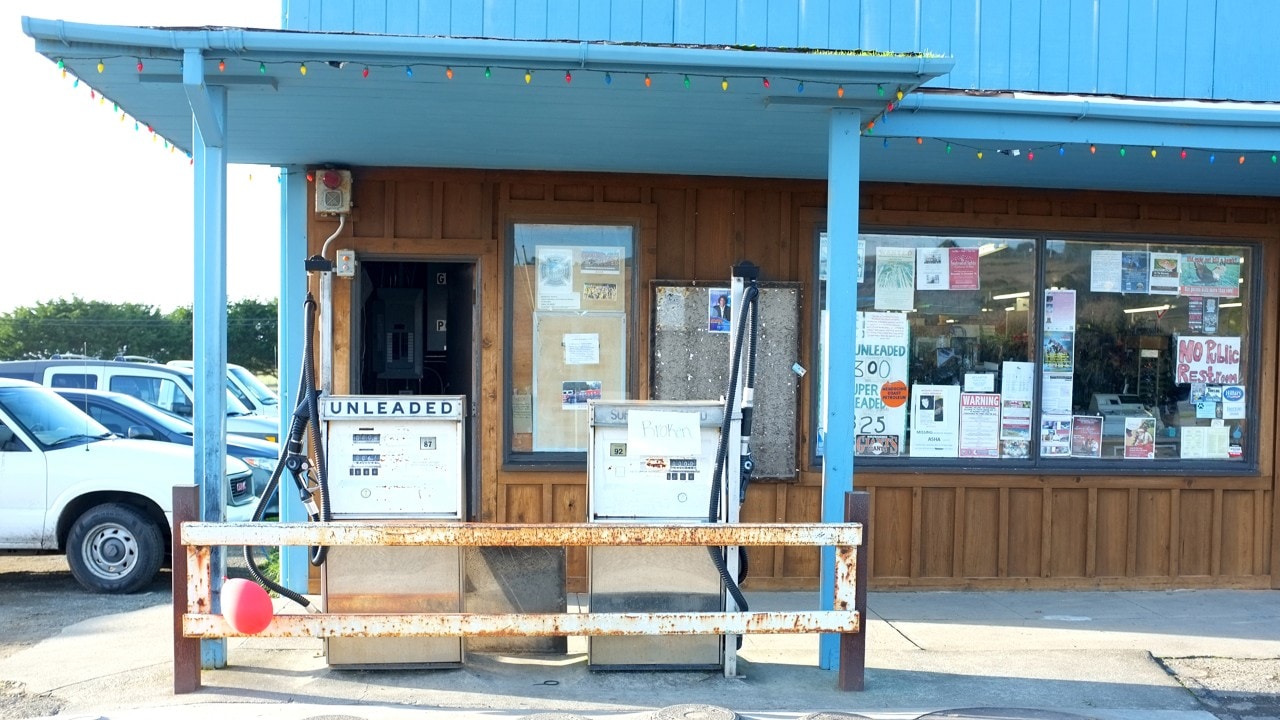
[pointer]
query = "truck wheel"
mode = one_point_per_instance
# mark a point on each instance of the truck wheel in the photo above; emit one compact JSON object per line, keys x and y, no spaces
{"x":115,"y":549}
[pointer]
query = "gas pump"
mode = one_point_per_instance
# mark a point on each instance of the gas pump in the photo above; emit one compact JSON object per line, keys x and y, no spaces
{"x":372,"y":457}
{"x":396,"y":457}
{"x":670,"y":462}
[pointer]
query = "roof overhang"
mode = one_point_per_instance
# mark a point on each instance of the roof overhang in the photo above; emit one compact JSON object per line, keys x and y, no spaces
{"x":482,"y":103}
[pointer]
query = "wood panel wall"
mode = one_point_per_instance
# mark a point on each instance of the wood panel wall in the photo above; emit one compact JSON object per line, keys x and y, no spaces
{"x":936,"y":530}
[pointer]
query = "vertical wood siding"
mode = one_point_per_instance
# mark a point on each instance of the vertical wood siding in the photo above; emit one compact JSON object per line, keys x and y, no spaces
{"x":1139,"y":48}
{"x":928,"y":530}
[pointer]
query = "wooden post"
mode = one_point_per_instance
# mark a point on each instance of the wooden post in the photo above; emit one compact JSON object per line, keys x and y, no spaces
{"x":186,"y":651}
{"x":853,"y":646}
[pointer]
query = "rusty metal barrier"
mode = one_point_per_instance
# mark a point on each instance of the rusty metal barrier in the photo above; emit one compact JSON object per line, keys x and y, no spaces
{"x":193,"y":582}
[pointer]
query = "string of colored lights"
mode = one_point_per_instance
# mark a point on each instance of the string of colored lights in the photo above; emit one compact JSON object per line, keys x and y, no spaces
{"x":686,"y":80}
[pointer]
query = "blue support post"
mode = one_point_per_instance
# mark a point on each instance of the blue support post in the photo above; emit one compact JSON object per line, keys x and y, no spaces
{"x":842,"y":305}
{"x":294,"y":565}
{"x":209,"y":320}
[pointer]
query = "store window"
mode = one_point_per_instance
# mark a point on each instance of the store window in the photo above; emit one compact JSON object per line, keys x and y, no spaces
{"x":569,"y":297}
{"x":1038,"y":351}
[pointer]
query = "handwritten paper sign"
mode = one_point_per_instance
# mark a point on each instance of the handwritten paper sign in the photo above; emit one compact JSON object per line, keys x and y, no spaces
{"x":1213,"y":360}
{"x":663,"y":432}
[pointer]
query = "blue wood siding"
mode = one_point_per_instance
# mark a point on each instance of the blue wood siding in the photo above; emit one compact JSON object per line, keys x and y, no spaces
{"x":1210,"y":49}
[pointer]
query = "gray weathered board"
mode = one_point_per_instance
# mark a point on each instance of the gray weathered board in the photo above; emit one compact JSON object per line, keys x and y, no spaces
{"x":692,"y":363}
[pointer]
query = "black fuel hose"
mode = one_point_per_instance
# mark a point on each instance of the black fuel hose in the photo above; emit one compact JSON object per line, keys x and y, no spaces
{"x":306,"y":416}
{"x":748,"y":303}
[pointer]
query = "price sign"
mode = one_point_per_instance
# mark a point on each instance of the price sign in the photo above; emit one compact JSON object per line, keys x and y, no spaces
{"x":880,"y":383}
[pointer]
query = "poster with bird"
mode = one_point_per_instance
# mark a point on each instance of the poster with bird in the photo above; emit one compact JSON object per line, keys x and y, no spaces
{"x":1210,"y":275}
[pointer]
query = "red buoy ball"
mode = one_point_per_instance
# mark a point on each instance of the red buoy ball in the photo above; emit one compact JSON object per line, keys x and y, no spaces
{"x":246,"y":606}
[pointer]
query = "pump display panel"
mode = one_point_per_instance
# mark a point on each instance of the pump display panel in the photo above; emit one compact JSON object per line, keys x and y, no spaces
{"x":655,"y":460}
{"x":395,"y":456}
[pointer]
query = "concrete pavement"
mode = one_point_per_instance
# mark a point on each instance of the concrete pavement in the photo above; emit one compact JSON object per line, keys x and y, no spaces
{"x":1168,"y":655}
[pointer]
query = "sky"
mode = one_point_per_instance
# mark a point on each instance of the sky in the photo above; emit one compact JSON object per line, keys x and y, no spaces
{"x":96,"y":209}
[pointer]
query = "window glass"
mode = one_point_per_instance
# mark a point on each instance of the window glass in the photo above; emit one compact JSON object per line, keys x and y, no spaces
{"x":73,"y":380}
{"x":570,"y":292}
{"x":1120,"y":351}
{"x":1146,"y":351}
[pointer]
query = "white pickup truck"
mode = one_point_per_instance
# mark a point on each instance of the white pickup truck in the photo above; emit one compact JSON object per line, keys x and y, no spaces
{"x":68,"y":485}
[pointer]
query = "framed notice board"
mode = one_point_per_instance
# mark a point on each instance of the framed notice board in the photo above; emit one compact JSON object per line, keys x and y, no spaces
{"x":579,"y":357}
{"x":691,"y":360}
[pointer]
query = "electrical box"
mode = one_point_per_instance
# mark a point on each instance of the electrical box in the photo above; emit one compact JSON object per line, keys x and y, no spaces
{"x":401,"y":457}
{"x":345,"y":263}
{"x":333,"y":191}
{"x":397,"y":327}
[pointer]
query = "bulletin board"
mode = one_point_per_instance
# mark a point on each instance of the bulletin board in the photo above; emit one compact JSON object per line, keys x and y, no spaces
{"x":578,"y":357}
{"x":691,"y":362}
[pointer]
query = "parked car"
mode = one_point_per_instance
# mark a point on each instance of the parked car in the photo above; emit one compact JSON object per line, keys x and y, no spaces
{"x":127,"y":416}
{"x":168,"y":388}
{"x":248,"y":389}
{"x":73,"y":487}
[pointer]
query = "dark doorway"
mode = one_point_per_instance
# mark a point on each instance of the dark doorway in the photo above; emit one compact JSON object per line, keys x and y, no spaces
{"x":416,"y":335}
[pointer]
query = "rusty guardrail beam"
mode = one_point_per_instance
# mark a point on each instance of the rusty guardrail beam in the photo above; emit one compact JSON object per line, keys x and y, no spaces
{"x":200,"y":537}
{"x":393,"y":532}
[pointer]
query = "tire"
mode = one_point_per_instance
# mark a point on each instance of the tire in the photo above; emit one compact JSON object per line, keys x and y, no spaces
{"x":114,"y":549}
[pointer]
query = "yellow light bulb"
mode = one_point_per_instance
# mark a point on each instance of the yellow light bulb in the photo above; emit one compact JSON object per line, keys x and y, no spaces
{"x":302,"y":68}
{"x":528,"y":77}
{"x":101,"y":67}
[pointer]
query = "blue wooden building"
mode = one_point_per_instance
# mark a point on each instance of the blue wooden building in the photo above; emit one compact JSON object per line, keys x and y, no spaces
{"x":1034,"y":249}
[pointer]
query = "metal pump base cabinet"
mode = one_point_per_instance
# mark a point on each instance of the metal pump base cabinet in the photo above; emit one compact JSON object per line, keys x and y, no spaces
{"x":398,"y":457}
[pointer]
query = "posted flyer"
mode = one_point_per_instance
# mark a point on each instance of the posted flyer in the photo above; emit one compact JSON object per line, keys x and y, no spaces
{"x":1060,"y":310}
{"x":1055,"y":436}
{"x":935,"y":420}
{"x":1135,"y":268}
{"x":895,"y":278}
{"x":1140,"y":437}
{"x":964,"y":269}
{"x":1164,"y":273}
{"x":880,"y":382}
{"x":1086,"y":436}
{"x":933,"y":269}
{"x":979,"y":425}
{"x":1104,"y":271}
{"x":1210,"y":275}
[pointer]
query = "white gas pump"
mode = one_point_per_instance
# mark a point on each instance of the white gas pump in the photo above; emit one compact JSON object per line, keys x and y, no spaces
{"x":667,"y":462}
{"x":397,"y":457}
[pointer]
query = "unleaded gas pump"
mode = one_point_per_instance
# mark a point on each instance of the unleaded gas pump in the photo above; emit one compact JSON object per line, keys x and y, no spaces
{"x":396,"y":457}
{"x":370,"y":458}
{"x":673,"y":462}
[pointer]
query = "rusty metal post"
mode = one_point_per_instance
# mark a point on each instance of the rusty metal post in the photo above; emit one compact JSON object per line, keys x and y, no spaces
{"x":186,"y":650}
{"x":853,"y":646}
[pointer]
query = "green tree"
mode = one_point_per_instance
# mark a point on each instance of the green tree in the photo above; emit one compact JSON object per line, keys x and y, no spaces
{"x":251,"y":334}
{"x":92,"y":328}
{"x":105,"y":330}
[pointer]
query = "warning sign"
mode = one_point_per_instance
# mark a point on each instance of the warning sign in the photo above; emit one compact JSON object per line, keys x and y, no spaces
{"x":894,"y":393}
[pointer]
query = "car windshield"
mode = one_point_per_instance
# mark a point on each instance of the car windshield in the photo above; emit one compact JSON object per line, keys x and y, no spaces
{"x":50,"y":418}
{"x":251,"y":383}
{"x":234,"y":406}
